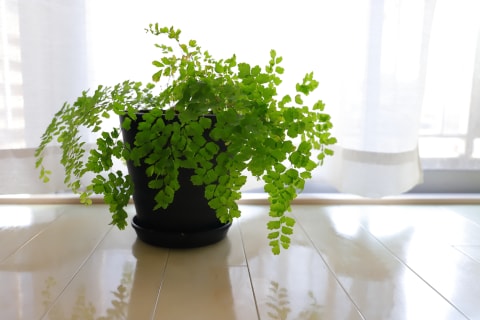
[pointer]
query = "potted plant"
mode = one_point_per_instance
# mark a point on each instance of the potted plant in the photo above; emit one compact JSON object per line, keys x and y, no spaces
{"x":203,"y":121}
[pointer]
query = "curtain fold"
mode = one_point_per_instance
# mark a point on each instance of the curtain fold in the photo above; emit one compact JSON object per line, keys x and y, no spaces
{"x":374,"y":174}
{"x":18,"y":174}
{"x":377,"y":127}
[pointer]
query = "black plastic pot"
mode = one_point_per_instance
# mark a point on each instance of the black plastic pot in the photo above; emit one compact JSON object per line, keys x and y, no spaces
{"x":188,"y":222}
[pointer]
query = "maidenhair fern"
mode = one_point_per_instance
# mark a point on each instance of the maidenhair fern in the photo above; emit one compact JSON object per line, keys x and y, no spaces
{"x":279,"y":140}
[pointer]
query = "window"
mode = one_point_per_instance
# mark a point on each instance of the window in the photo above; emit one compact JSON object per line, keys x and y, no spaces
{"x":450,"y":124}
{"x":11,"y":94}
{"x":52,"y":50}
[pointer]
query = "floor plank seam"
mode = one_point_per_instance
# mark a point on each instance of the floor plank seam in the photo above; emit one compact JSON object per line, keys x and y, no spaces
{"x":32,"y":238}
{"x":248,"y":269}
{"x":330,"y":270}
{"x":164,"y":272}
{"x":404,"y":263}
{"x":75,"y":273}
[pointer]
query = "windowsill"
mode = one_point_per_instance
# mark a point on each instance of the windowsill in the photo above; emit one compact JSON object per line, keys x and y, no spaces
{"x":262,"y":198}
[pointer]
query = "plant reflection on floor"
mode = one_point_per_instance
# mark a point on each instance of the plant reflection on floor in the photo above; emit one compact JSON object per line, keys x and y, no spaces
{"x":122,"y":296}
{"x":46,"y":293}
{"x":279,"y":304}
{"x":84,"y":309}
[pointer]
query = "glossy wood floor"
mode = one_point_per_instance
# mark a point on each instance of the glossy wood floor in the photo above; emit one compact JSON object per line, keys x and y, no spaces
{"x":346,"y":262}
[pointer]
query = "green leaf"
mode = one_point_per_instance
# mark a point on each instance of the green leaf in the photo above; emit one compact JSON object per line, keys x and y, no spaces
{"x":243,"y":70}
{"x":328,"y":152}
{"x":292,"y":130}
{"x":150,"y":171}
{"x":279,"y":167}
{"x":331,"y":141}
{"x":157,"y":75}
{"x":263,"y":78}
{"x":256,"y":71}
{"x":274,"y":244}
{"x":298,"y":99}
{"x":285,"y":245}
{"x":285,"y":239}
{"x":310,"y":165}
{"x":155,"y":184}
{"x":292,"y":173}
{"x":196,"y":180}
{"x":286,"y":99}
{"x":170,"y":114}
{"x":319,"y":105}
{"x":209,"y":191}
{"x":214,"y":203}
{"x":273,"y":235}
{"x":210,"y":177}
{"x":306,"y":175}
{"x":289,"y":221}
{"x":212,"y":148}
{"x":157,"y":64}
{"x":287,"y":230}
{"x":304,"y":147}
{"x":184,"y":48}
{"x":274,"y":224}
{"x":273,"y":54}
{"x":269,"y":188}
{"x":219,"y":68}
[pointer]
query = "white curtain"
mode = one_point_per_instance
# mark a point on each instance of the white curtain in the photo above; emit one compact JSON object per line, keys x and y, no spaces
{"x":408,"y":57}
{"x":377,"y":113}
{"x":370,"y":57}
